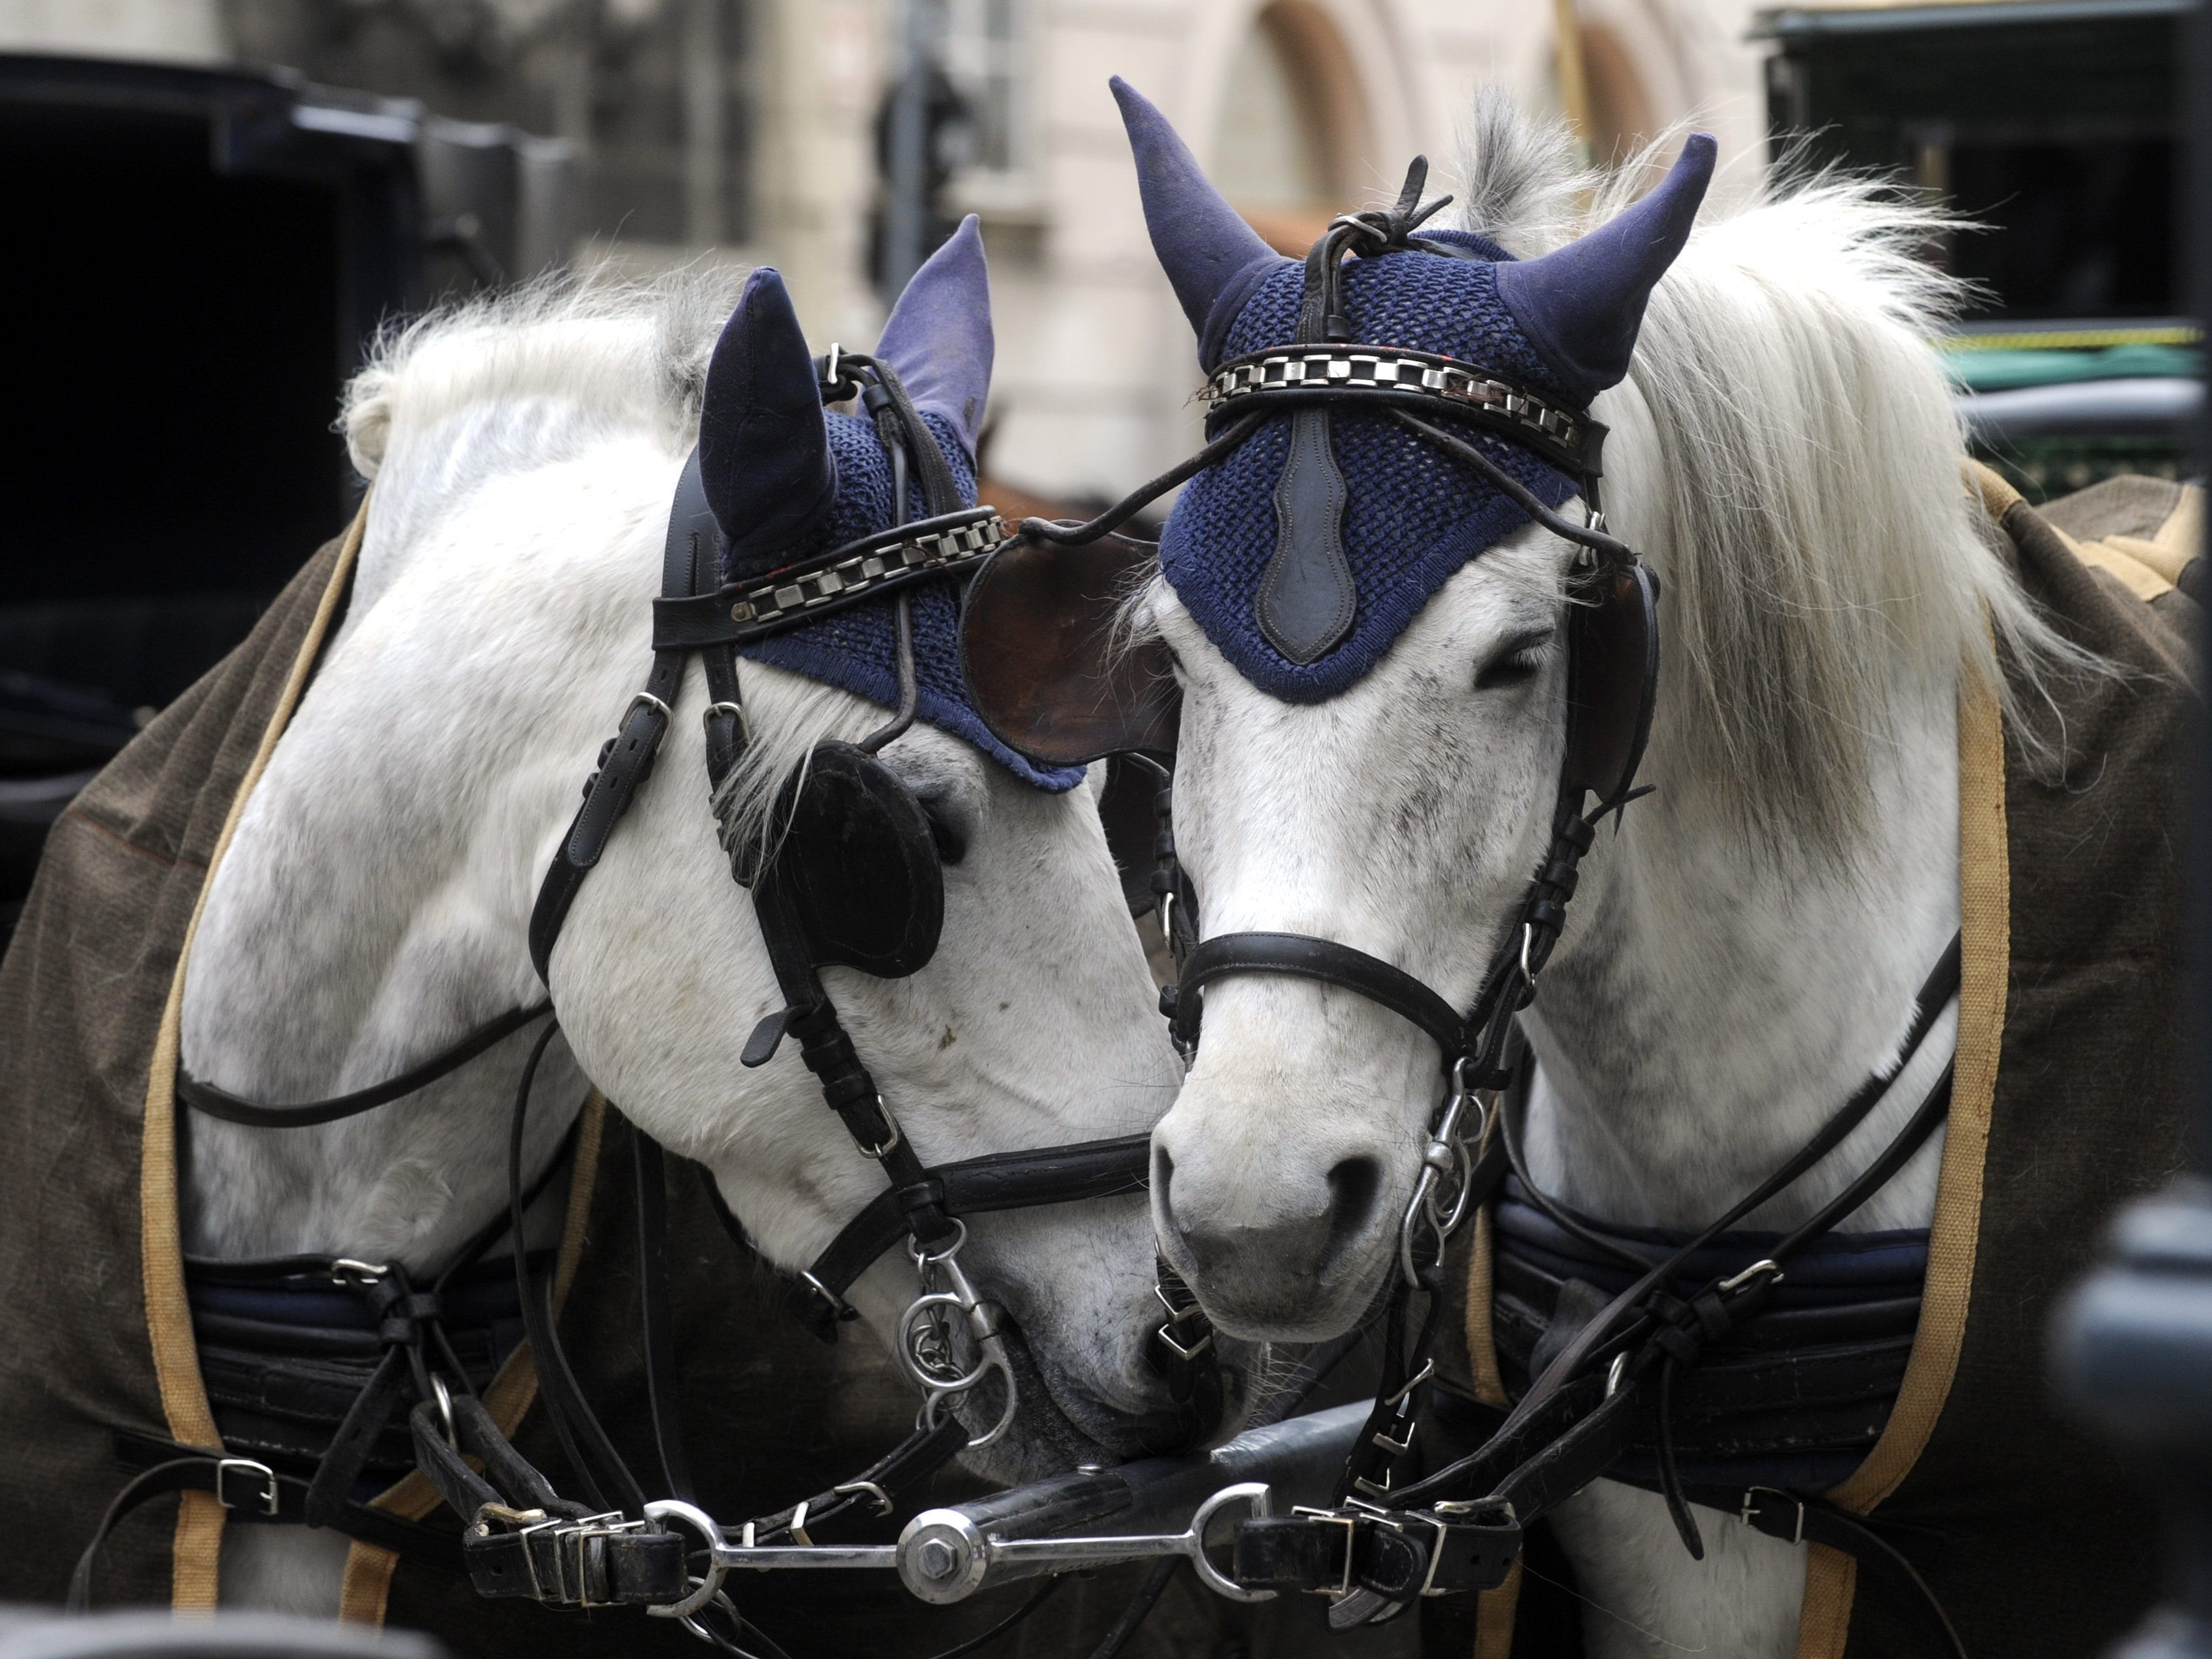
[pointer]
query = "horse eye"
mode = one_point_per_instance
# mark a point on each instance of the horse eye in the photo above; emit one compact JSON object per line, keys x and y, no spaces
{"x":1517,"y":661}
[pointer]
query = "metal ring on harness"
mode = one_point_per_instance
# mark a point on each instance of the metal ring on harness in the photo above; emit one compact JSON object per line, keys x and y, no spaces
{"x":710,"y":1533}
{"x":1261,"y":1499}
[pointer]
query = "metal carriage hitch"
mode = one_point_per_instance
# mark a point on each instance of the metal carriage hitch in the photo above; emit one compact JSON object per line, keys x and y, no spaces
{"x":1148,"y":1510}
{"x":943,"y":1557}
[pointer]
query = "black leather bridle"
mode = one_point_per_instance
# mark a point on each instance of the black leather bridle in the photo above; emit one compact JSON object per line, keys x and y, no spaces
{"x":522,"y":1538}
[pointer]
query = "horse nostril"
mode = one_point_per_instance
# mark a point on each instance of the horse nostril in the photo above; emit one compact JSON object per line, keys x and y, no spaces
{"x":1354,"y":1185}
{"x":1163,"y":1173}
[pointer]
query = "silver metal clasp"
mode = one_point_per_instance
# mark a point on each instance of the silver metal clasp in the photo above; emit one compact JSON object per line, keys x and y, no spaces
{"x":926,"y":1340}
{"x":1443,"y":1191}
{"x":1751,"y":1495}
{"x":1737,"y":1282}
{"x":736,"y":711}
{"x":1334,"y":1518}
{"x":646,"y":700}
{"x":264,"y":1498}
{"x":581,"y":1575}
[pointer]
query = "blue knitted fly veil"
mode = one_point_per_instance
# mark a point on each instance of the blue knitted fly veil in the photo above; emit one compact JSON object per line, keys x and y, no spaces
{"x":1305,"y":550}
{"x":1413,"y":516}
{"x":856,"y":648}
{"x":788,"y":481}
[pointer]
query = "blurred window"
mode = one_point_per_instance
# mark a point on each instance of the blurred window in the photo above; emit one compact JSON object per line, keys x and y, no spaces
{"x":1619,"y":109}
{"x":1288,"y":131}
{"x":986,"y":56}
{"x":1271,"y":151}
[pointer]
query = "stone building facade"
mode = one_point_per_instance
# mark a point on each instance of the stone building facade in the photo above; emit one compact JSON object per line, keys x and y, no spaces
{"x":745,"y":130}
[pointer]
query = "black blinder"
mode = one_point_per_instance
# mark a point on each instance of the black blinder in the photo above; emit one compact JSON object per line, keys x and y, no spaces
{"x":1045,"y":666}
{"x":1612,"y":680}
{"x":855,"y":865}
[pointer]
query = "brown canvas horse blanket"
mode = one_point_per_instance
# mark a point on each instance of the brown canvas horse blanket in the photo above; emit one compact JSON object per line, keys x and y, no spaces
{"x":98,"y":1337}
{"x":2066,"y":1103}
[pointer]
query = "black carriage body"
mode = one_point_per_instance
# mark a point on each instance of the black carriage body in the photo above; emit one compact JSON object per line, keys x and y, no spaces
{"x":2054,"y":126}
{"x":202,"y":256}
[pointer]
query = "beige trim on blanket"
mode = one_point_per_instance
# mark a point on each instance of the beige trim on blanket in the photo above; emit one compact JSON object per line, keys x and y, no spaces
{"x":194,"y":1581}
{"x":1985,"y":925}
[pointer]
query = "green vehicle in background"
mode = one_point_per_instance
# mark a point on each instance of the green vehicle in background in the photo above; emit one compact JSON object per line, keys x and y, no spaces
{"x":2054,"y":124}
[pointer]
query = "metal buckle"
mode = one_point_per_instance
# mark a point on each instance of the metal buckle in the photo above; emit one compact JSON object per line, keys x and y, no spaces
{"x":884,"y":1504}
{"x":1442,"y":1529}
{"x":1351,"y":1525}
{"x":1166,"y":1334}
{"x":357,"y":1274}
{"x":1178,"y":1317}
{"x":1395,"y":1448}
{"x":839,"y":1308}
{"x":505,"y":1514}
{"x":577,"y":1583}
{"x":736,"y":711}
{"x":1428,"y":1370}
{"x":646,"y":700}
{"x":264,"y":1499}
{"x":881,"y":1152}
{"x":1751,"y":1502}
{"x":1737,"y":1282}
{"x":445,"y":1399}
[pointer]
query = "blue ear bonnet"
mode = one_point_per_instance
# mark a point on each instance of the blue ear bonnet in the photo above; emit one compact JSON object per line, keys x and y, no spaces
{"x":856,"y":648}
{"x":1412,"y":515}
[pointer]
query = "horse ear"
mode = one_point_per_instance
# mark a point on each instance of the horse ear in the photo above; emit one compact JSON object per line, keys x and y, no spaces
{"x":938,"y":338}
{"x":1213,"y":259}
{"x":1581,"y":306}
{"x":764,"y":455}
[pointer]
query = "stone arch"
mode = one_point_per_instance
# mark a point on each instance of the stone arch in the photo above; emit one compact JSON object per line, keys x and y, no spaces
{"x":1342,"y":69}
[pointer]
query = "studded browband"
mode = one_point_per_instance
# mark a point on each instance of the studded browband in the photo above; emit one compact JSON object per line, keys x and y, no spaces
{"x":1307,"y":373}
{"x":740,"y":613}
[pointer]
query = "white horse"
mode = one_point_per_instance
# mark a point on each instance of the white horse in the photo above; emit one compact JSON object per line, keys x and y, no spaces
{"x":374,"y":903}
{"x":1746,"y":950}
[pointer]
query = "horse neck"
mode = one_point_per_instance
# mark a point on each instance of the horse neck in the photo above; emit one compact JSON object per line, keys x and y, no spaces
{"x":372,"y":906}
{"x":1714,"y":1002}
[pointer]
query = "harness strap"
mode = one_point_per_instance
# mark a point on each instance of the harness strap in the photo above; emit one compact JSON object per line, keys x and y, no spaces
{"x":251,"y":1491}
{"x":626,"y":760}
{"x":875,"y":1491}
{"x":1308,"y":957}
{"x":574,"y":1424}
{"x":1394,"y":1558}
{"x":656,"y":1318}
{"x":975,"y":1186}
{"x":740,"y":613}
{"x":1934,"y":994}
{"x":231,"y":1109}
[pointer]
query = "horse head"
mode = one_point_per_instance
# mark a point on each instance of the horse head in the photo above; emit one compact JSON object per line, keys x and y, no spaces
{"x":377,"y":898}
{"x":1370,"y":637}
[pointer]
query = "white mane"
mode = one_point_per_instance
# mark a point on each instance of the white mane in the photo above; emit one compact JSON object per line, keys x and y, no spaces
{"x":507,"y":383}
{"x":1796,"y":323}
